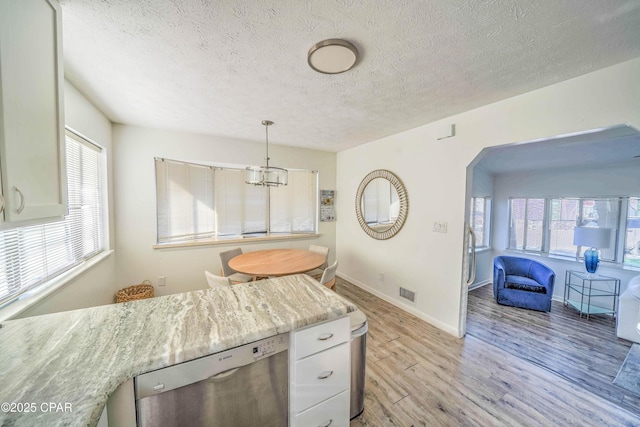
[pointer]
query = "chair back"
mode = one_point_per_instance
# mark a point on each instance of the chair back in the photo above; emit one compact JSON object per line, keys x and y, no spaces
{"x":225,"y":257}
{"x":329,"y":273}
{"x":216,"y":281}
{"x":322,"y":251}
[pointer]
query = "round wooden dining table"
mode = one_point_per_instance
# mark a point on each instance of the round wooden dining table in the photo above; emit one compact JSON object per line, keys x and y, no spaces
{"x":276,"y":262}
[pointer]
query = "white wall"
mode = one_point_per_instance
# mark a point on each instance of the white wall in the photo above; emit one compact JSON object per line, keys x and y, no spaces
{"x":135,"y":149}
{"x":610,"y":180}
{"x":482,"y":183}
{"x":95,"y":286}
{"x":434,"y":173}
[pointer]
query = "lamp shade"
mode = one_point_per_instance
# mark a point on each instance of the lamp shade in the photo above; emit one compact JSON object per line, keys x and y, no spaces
{"x":592,"y":237}
{"x":269,"y":176}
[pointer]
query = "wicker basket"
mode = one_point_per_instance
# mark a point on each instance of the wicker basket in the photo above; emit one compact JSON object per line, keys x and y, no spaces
{"x":135,"y":292}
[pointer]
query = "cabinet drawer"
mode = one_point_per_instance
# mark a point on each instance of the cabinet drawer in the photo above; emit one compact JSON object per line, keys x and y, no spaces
{"x":321,"y":376}
{"x":320,"y":337}
{"x":333,"y":412}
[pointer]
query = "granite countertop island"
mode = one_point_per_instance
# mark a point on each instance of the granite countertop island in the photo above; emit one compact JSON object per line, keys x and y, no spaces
{"x":65,"y":365}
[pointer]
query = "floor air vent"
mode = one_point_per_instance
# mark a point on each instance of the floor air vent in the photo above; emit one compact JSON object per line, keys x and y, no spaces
{"x":407,"y":294}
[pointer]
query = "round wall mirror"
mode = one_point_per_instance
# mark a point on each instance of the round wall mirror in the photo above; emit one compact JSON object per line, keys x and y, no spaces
{"x":381,"y":204}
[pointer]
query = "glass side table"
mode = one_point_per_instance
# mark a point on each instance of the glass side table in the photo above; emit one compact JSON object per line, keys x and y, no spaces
{"x":580,"y":287}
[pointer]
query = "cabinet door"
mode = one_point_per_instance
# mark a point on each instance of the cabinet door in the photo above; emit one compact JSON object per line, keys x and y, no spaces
{"x":32,"y":160}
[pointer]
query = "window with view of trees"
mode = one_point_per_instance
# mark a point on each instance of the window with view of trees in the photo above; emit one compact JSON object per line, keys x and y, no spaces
{"x":203,"y":202}
{"x":547,"y":226}
{"x":526,"y":224}
{"x":480,"y":220}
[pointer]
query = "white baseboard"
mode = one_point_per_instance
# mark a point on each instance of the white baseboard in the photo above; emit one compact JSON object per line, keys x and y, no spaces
{"x":409,"y":309}
{"x":480,"y":284}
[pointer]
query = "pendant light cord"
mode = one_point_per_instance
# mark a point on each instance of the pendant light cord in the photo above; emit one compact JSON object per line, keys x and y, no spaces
{"x":266,"y":130}
{"x":266,"y":124}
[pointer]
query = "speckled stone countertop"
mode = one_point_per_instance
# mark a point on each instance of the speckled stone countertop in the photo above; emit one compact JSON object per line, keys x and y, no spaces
{"x":78,"y":358}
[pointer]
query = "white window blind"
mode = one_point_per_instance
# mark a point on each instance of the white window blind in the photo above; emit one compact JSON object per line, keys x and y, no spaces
{"x":184,"y":194}
{"x":30,"y":256}
{"x":255,"y":203}
{"x":293,"y":206}
{"x":229,"y":207}
{"x":239,"y":208}
{"x":380,"y":202}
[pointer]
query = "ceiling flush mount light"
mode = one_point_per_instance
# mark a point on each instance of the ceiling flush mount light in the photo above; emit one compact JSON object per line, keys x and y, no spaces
{"x":332,"y":56}
{"x":266,"y":175}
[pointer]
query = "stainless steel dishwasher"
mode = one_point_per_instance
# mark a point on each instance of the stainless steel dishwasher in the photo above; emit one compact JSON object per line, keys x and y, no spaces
{"x":244,"y":386}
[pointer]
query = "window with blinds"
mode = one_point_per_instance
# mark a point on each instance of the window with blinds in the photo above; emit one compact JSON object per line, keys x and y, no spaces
{"x":380,"y":203}
{"x":199,"y":202}
{"x":547,"y":226}
{"x":33,"y":255}
{"x":480,"y":220}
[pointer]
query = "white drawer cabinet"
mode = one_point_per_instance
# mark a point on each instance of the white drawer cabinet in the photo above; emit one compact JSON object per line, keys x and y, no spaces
{"x":333,"y":412}
{"x":32,"y":159}
{"x":320,"y":374}
{"x":320,"y":337}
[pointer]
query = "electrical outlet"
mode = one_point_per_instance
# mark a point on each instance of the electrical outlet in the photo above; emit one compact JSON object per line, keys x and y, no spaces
{"x":381,"y":277}
{"x":162,"y":281}
{"x":440,"y":227}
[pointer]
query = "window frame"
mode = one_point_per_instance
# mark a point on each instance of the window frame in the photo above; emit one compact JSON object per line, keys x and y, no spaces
{"x":72,"y":225}
{"x":545,"y":227}
{"x":620,"y":231}
{"x":271,"y":212}
{"x":487,"y":216}
{"x":623,"y":240}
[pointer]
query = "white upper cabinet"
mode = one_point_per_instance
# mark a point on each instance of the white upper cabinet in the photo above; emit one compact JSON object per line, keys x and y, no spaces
{"x":32,"y":159}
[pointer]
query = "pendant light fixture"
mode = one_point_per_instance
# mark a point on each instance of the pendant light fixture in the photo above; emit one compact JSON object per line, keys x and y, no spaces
{"x":266,"y":175}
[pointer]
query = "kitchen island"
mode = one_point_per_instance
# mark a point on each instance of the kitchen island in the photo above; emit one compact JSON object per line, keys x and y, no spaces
{"x":65,"y":365}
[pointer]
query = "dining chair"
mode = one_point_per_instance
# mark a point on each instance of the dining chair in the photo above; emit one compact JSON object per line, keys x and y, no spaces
{"x":316,"y":273}
{"x":229,"y":272}
{"x":329,"y":276}
{"x":216,"y":281}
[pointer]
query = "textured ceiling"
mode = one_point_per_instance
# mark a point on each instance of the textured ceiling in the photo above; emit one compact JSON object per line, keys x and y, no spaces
{"x":220,"y":67}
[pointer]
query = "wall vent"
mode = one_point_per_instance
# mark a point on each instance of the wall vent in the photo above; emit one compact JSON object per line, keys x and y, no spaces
{"x":407,"y":294}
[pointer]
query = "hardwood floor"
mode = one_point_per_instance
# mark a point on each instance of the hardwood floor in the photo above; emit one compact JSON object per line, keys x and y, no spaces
{"x":585,"y":352}
{"x":418,"y":375}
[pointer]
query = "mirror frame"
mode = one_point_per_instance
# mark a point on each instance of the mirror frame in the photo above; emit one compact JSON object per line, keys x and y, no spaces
{"x":402,"y":197}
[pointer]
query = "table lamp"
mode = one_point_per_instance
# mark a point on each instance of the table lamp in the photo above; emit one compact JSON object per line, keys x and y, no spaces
{"x":594,"y":239}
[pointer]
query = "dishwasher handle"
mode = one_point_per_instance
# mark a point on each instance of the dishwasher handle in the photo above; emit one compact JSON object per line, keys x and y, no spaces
{"x":222,"y":375}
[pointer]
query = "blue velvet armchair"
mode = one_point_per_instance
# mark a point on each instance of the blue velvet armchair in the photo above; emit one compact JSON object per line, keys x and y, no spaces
{"x":522,"y":282}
